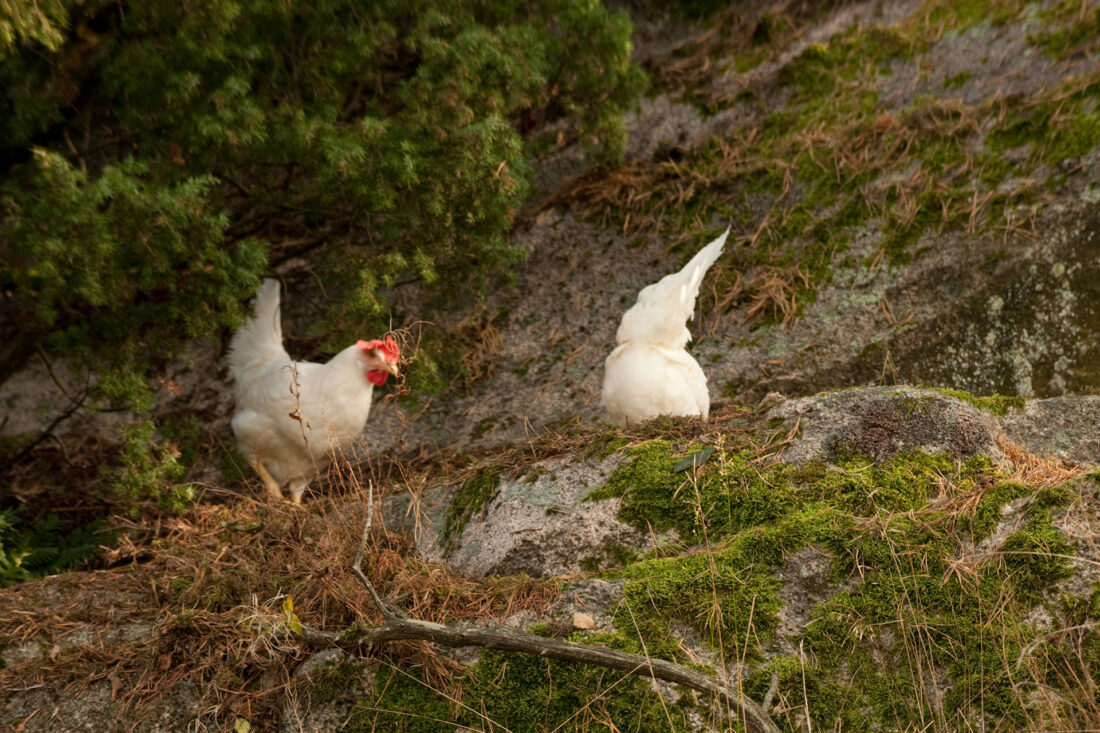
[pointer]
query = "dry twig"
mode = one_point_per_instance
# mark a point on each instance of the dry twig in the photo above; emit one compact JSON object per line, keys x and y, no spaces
{"x":399,"y":627}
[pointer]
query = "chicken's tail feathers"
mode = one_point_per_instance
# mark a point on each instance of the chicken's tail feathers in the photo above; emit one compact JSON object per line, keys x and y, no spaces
{"x":260,"y":339}
{"x":694,"y":271}
{"x":675,"y":294}
{"x":663,"y":309}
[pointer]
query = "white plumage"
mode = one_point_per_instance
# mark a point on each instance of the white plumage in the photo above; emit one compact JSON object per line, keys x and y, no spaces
{"x":650,"y":373}
{"x":291,"y":416}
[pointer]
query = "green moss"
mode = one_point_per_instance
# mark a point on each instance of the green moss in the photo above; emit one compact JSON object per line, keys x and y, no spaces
{"x":1037,"y":556}
{"x":913,"y":621}
{"x":915,"y":608}
{"x":651,"y":465}
{"x":723,"y":596}
{"x":1064,"y":128}
{"x":987,"y":514}
{"x":335,"y":681}
{"x":997,"y":404}
{"x":895,"y":541}
{"x":180,"y":584}
{"x":960,"y":15}
{"x":531,"y":694}
{"x":590,"y":564}
{"x":956,"y":80}
{"x":1067,"y":27}
{"x":911,"y":612}
{"x":470,"y":499}
{"x":605,"y":444}
{"x":906,"y":482}
{"x":728,"y":494}
{"x":402,"y":703}
{"x":522,"y":693}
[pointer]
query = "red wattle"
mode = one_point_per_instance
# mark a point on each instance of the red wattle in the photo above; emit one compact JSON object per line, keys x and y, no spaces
{"x":377,"y":376}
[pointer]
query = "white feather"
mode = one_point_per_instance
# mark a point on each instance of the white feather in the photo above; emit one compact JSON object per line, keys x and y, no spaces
{"x":291,"y":415}
{"x":650,"y":373}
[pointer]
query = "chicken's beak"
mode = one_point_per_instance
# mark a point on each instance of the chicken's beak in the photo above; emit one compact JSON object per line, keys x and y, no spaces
{"x":391,"y":367}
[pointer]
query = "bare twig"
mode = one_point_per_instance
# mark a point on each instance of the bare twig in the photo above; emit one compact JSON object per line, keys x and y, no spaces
{"x":506,"y":639}
{"x":399,"y":627}
{"x":75,"y":403}
{"x":390,"y":613}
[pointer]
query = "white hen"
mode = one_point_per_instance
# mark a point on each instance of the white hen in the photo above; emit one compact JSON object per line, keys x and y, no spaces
{"x":650,"y":373}
{"x":293,"y":415}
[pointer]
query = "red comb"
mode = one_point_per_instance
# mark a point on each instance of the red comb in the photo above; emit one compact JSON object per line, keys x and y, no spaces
{"x":388,"y":347}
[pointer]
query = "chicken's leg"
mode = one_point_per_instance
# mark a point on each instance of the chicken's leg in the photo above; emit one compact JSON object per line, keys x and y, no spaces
{"x":271,"y":486}
{"x":297,"y":488}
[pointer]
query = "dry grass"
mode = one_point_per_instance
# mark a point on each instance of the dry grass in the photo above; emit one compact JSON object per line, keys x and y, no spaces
{"x":207,"y":589}
{"x":775,"y":294}
{"x":481,"y":347}
{"x":908,"y":170}
{"x":208,"y":605}
{"x":203,"y":592}
{"x":1034,"y":470}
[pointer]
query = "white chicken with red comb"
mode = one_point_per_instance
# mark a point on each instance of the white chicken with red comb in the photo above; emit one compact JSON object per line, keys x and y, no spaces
{"x":650,"y":373}
{"x":293,"y":416}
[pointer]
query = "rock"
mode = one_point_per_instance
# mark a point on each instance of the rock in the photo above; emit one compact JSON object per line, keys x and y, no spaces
{"x":1064,"y":427}
{"x":806,"y":583}
{"x":317,"y":705}
{"x":592,"y":598}
{"x":542,"y":526}
{"x":882,"y":421}
{"x":421,"y":517}
{"x":94,"y":709}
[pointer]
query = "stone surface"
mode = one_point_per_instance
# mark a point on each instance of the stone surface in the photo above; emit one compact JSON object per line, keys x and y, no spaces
{"x":537,"y":523}
{"x":319,"y":710}
{"x":542,"y":526}
{"x":1064,"y":427}
{"x":422,"y":518}
{"x":882,"y":421}
{"x":95,"y":709}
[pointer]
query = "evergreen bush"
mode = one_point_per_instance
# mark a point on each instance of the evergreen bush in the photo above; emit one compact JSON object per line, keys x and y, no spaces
{"x":157,"y":156}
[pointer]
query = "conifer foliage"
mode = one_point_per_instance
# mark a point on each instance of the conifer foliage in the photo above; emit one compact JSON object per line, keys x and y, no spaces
{"x":157,"y":156}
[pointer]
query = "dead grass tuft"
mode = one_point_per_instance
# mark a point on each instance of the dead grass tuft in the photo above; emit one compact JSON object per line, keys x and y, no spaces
{"x":196,"y":614}
{"x":481,"y":347}
{"x":775,"y":294}
{"x":1033,"y":470}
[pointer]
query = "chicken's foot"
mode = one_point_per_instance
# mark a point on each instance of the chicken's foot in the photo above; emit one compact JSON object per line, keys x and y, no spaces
{"x":271,"y":486}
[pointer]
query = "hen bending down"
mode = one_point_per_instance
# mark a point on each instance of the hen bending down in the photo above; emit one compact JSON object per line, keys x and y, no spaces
{"x":650,"y":373}
{"x":293,"y":415}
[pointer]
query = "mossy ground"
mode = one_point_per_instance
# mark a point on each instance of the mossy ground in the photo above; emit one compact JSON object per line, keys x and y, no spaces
{"x":934,"y":595}
{"x":997,"y":404}
{"x":521,"y":693}
{"x":827,"y":150}
{"x":923,"y":631}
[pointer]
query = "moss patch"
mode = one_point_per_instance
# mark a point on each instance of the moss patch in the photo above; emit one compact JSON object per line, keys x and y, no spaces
{"x":522,"y":693}
{"x":923,"y":631}
{"x":997,"y":404}
{"x":402,"y":703}
{"x":470,"y":499}
{"x":822,"y":158}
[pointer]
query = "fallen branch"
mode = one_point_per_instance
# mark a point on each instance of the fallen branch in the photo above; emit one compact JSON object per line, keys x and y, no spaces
{"x":399,"y":627}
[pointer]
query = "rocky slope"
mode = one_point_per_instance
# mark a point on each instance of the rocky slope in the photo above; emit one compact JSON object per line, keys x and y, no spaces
{"x":913,"y":189}
{"x":888,"y":554}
